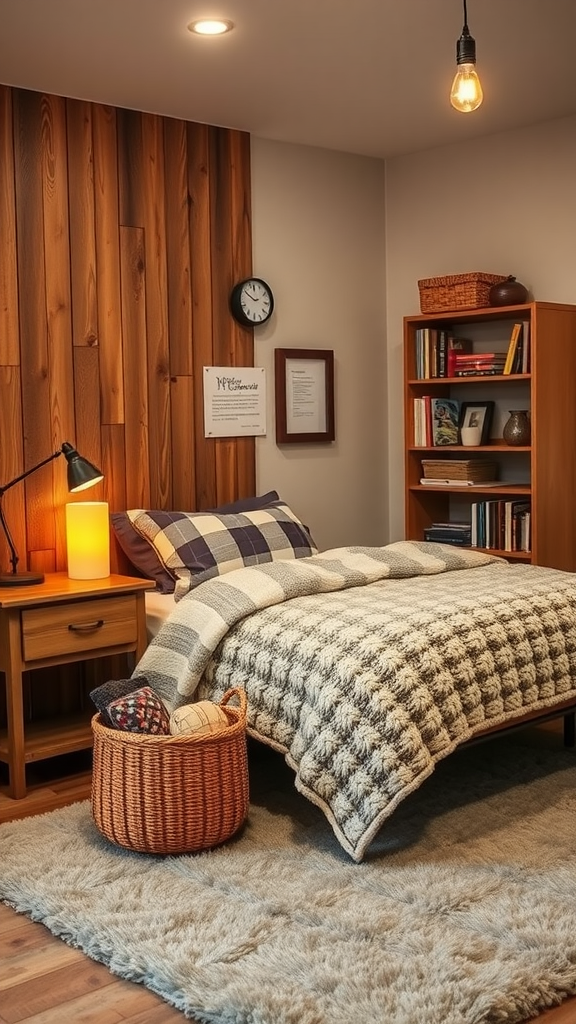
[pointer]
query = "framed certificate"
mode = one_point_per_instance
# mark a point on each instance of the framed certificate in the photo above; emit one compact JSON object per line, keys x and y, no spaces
{"x":304,"y":388}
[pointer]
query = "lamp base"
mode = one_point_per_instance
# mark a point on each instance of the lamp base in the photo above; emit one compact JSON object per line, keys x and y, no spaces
{"x":20,"y":579}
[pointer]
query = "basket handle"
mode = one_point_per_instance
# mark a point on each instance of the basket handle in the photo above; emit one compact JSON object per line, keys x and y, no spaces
{"x":236,"y":691}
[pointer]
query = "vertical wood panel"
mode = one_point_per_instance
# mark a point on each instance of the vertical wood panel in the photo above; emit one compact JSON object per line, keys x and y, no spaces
{"x":199,"y":190}
{"x":178,"y":248}
{"x":11,"y":462}
{"x":121,"y":235}
{"x":34,"y":358}
{"x":135,"y":366}
{"x":114,"y":465}
{"x":58,"y":300}
{"x":9,"y":322}
{"x":82,"y":239}
{"x":153,"y":217}
{"x":87,"y":405}
{"x":243,"y":338}
{"x":184,"y":471}
{"x":108,"y":262}
{"x":231,"y":260}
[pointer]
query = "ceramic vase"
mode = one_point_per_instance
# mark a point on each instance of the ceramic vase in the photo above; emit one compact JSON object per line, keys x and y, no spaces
{"x":517,"y":428}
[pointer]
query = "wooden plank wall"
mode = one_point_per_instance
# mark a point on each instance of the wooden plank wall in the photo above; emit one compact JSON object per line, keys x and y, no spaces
{"x":121,"y":235}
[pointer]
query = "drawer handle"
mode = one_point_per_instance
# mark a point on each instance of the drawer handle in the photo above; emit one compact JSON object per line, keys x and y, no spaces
{"x":86,"y":627}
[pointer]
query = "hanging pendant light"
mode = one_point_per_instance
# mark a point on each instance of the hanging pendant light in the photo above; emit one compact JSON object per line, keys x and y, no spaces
{"x":466,"y":92}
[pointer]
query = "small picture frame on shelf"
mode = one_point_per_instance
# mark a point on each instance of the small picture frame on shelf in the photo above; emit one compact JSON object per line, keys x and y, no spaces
{"x":477,"y":414}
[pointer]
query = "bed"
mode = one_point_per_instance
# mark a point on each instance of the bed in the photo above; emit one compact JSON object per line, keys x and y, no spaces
{"x":367,"y":666}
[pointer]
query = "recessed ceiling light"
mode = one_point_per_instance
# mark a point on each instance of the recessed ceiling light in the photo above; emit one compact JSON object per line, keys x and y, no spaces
{"x":210,"y":26}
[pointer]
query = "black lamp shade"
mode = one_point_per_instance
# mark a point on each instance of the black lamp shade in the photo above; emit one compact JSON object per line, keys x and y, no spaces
{"x":81,"y":473}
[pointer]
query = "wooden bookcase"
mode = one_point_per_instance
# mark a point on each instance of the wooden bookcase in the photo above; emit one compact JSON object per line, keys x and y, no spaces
{"x":543,"y":471}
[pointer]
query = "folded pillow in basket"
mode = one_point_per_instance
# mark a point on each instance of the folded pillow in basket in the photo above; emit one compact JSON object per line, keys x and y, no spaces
{"x":197,"y":546}
{"x":201,"y":719}
{"x":142,"y":554}
{"x":140,"y":711}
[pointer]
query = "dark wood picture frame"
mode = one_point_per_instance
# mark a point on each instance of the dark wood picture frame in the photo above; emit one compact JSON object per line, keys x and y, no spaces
{"x":317,"y":394}
{"x":485,"y":412}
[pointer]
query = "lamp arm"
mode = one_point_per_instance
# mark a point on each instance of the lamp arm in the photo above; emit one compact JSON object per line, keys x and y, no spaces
{"x":23,"y":476}
{"x":13,"y":554}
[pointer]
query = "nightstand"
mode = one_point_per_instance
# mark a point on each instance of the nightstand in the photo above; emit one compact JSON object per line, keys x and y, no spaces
{"x":54,"y":623}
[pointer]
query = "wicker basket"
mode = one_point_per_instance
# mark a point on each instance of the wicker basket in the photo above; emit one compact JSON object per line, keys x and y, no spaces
{"x":171,"y":794}
{"x":460,"y":291}
{"x":459,"y":469}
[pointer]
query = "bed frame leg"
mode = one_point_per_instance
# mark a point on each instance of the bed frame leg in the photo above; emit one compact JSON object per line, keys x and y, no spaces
{"x":570,"y":729}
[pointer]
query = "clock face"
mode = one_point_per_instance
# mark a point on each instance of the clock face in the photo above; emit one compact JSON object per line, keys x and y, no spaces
{"x":252,"y":301}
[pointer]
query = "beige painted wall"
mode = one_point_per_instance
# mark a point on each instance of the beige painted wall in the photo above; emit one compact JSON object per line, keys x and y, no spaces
{"x":343,"y":240}
{"x":318,"y":239}
{"x":504,"y":204}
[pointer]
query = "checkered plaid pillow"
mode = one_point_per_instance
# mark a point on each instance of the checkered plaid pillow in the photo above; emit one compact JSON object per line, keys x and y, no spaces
{"x":195,"y":546}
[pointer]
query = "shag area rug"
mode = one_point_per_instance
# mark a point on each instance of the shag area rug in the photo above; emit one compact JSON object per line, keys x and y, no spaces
{"x":464,"y":912}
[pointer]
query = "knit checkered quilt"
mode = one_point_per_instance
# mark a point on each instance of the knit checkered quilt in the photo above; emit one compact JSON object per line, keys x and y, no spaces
{"x":366,"y":666}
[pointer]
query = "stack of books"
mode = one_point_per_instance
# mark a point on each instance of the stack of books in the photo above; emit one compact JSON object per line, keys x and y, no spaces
{"x":503,"y":525}
{"x":435,"y":351}
{"x":449,"y":533}
{"x":479,"y":364}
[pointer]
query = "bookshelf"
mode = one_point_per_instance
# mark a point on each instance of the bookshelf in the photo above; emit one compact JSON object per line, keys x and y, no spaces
{"x":542,"y":472}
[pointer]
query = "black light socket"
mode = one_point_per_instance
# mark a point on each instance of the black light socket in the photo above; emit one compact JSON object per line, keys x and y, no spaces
{"x":466,"y":48}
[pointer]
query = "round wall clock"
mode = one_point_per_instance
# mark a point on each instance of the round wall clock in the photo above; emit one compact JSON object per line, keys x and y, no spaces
{"x":252,"y":302}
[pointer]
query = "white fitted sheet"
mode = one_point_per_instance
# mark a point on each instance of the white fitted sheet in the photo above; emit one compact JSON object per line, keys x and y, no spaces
{"x":158,"y":608}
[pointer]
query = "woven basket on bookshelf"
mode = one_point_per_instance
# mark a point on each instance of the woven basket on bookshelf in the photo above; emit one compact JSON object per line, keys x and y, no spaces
{"x":458,"y":291}
{"x":459,"y":469}
{"x":171,"y":794}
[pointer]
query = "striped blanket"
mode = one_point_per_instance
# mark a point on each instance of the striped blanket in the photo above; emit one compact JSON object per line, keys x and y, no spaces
{"x":366,"y":666}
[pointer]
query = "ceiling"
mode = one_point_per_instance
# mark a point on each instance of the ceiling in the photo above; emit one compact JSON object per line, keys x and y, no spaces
{"x":367,"y":76}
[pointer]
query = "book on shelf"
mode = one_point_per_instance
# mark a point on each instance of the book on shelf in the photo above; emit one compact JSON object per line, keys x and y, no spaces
{"x":423,"y":422}
{"x":442,"y":352}
{"x":457,"y":524}
{"x":525,"y":368}
{"x":484,"y":372}
{"x":463,"y":541}
{"x":445,"y":419}
{"x":447,"y":482}
{"x":449,"y":533}
{"x":478,"y":357}
{"x":512,"y":347}
{"x":454,"y":347}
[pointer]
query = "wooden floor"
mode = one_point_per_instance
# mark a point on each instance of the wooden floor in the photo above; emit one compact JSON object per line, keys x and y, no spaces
{"x":45,"y":981}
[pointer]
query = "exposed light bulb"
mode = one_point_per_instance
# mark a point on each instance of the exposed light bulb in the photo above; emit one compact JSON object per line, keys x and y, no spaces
{"x":466,"y":92}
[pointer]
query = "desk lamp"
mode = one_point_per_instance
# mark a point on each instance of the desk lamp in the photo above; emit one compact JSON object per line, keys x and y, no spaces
{"x":81,"y":474}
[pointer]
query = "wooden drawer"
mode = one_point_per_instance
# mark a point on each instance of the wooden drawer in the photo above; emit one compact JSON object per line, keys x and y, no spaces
{"x":78,"y":626}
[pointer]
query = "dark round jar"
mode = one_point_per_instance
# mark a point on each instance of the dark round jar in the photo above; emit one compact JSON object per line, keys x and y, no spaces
{"x":517,"y":428}
{"x":508,"y":293}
